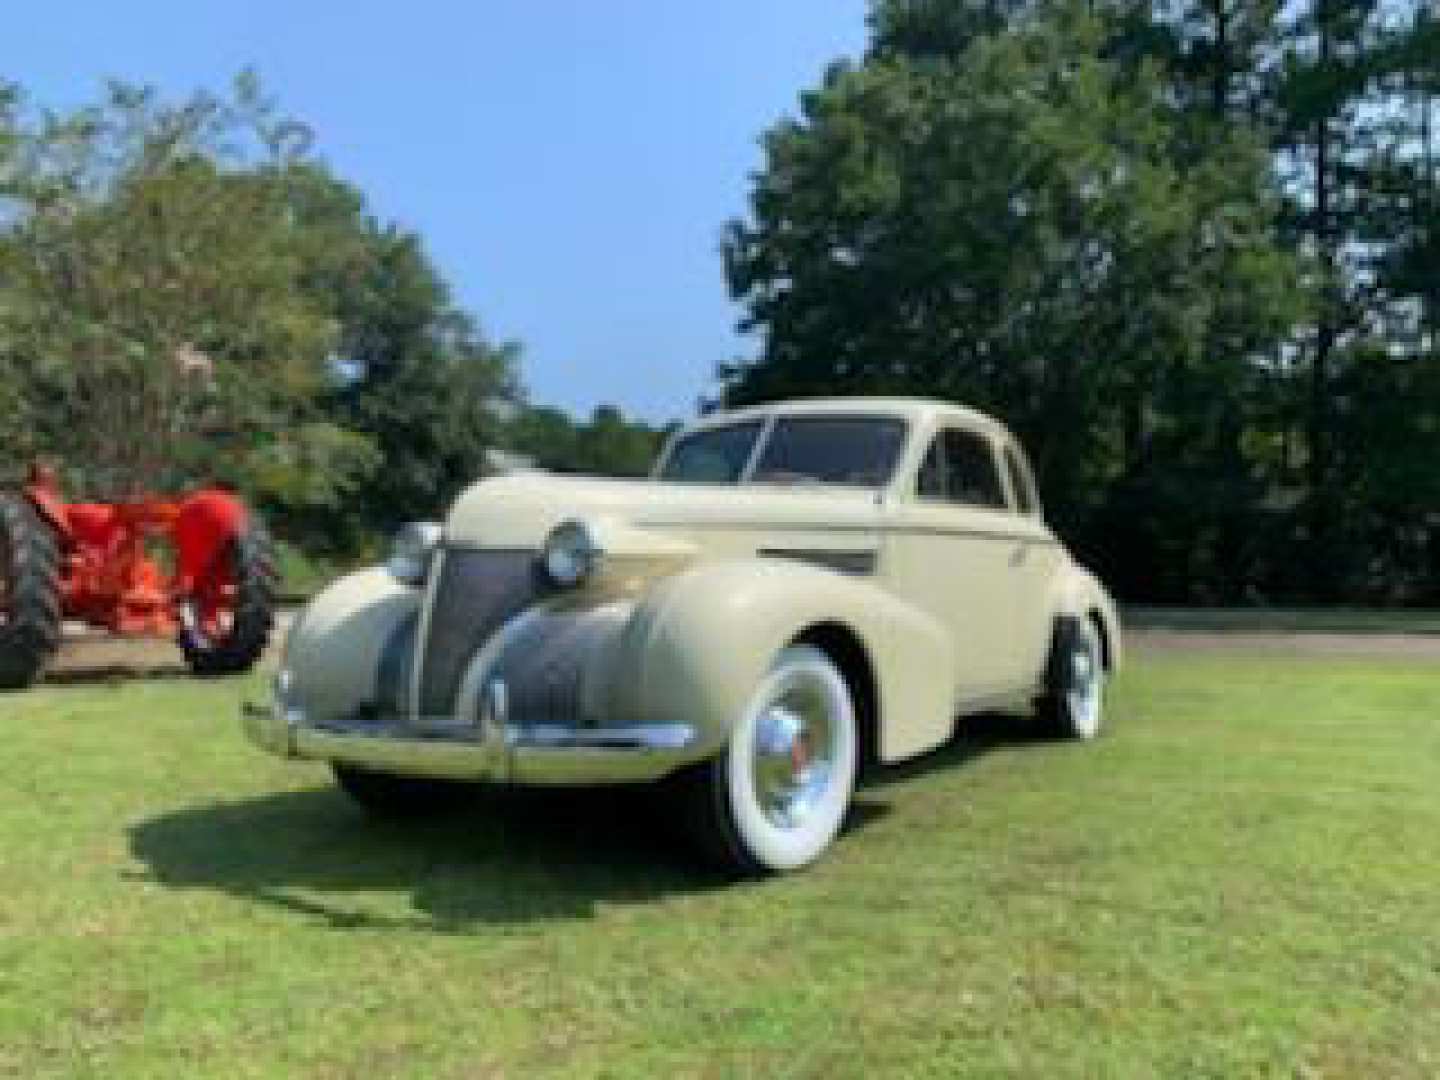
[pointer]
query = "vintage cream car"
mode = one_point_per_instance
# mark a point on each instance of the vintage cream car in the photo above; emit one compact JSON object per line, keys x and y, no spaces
{"x":799,"y":588}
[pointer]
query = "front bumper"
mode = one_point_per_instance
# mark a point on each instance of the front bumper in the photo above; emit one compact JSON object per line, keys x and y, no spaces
{"x":493,"y":751}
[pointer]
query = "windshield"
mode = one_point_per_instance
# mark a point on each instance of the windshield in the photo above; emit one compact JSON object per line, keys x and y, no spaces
{"x":858,"y":451}
{"x":712,"y":456}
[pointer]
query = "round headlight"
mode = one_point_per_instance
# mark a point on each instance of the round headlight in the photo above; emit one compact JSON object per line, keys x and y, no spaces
{"x":411,"y":551}
{"x":571,"y":554}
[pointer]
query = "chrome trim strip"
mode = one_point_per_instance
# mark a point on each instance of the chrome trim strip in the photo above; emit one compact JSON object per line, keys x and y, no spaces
{"x":422,"y":631}
{"x":878,"y":527}
{"x":762,"y":440}
{"x":859,"y":563}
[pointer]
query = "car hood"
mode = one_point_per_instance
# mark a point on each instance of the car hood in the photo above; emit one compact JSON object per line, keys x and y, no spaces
{"x":519,"y":510}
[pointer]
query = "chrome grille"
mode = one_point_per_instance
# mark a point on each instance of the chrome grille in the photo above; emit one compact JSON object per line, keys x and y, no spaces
{"x":544,"y":665}
{"x":477,"y":593}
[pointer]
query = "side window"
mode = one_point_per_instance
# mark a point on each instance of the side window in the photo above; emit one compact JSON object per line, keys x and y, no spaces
{"x":960,"y":468}
{"x":1025,"y":499}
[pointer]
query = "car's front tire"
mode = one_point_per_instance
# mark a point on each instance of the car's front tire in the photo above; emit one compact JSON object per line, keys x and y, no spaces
{"x":386,"y":795}
{"x":776,"y":796}
{"x":1074,"y":706}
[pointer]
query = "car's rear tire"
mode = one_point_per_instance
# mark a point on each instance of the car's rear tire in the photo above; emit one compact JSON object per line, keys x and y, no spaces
{"x":777,"y":795}
{"x":1073,"y":706}
{"x":29,"y":592}
{"x":386,"y":795}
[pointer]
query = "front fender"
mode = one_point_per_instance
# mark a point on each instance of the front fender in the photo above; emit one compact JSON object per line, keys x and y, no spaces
{"x":698,"y":644}
{"x":337,"y":644}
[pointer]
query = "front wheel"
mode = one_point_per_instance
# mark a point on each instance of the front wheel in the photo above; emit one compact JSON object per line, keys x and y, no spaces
{"x":1074,"y":706}
{"x":775,"y":798}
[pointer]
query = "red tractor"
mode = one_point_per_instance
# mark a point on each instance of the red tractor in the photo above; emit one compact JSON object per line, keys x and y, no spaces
{"x":95,"y":563}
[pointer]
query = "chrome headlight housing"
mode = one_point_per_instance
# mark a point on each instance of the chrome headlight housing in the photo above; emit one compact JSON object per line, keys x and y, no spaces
{"x":571,"y":555}
{"x":412,"y":550}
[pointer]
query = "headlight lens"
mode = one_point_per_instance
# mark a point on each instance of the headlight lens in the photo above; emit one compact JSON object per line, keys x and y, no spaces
{"x":411,"y":551}
{"x":571,"y":554}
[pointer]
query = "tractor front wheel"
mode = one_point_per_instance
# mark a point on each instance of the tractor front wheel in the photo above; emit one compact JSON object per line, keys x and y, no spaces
{"x":29,"y":592}
{"x":225,"y":627}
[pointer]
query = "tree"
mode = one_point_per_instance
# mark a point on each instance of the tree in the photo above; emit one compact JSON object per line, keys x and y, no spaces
{"x":186,"y":294}
{"x":1017,"y":222}
{"x":418,"y":377}
{"x":150,"y":301}
{"x":606,"y":445}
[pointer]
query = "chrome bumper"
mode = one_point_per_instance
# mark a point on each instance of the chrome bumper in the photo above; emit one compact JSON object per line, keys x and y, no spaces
{"x":493,"y":751}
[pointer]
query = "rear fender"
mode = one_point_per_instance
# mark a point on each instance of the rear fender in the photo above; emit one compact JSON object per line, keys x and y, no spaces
{"x":1078,"y":594}
{"x":205,"y":526}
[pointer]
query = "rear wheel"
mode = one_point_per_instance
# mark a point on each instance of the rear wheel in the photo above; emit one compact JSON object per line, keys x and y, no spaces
{"x":29,"y":593}
{"x":775,"y":798}
{"x":386,"y":795}
{"x":1074,"y":706}
{"x":225,"y":626}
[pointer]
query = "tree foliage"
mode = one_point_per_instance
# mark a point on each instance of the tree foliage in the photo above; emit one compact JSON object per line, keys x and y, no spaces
{"x":186,"y":294}
{"x":150,"y":277}
{"x":606,"y":445}
{"x":1180,"y":246}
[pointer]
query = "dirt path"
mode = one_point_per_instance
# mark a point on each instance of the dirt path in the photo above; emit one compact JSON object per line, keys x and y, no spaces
{"x":91,"y":656}
{"x":1398,"y":646}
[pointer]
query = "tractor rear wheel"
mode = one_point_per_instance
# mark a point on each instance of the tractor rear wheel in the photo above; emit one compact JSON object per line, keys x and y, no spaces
{"x":225,"y":627}
{"x":29,"y":592}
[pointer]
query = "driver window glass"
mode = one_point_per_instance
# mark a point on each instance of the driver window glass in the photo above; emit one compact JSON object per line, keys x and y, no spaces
{"x":960,"y":468}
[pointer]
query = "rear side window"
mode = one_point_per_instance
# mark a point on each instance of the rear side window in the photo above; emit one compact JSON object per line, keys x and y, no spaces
{"x":712,"y":456}
{"x":960,"y":468}
{"x":1026,"y":500}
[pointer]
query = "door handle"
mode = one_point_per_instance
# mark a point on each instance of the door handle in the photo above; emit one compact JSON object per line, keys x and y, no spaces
{"x":1017,"y":557}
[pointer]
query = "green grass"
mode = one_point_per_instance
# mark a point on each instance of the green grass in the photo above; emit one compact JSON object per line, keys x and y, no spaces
{"x":1243,"y":878}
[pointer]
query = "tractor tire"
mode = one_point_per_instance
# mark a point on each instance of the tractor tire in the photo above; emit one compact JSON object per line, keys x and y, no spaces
{"x":29,"y":592}
{"x":252,"y":561}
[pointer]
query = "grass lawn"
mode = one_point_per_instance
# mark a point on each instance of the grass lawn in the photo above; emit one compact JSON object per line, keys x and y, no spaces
{"x":1243,"y":878}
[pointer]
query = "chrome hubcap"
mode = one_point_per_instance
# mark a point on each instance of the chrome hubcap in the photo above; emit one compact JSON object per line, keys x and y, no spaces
{"x":793,"y":755}
{"x":1085,"y":684}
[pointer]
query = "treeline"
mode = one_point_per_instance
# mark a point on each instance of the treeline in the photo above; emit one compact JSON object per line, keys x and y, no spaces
{"x":187,"y":293}
{"x":1190,"y":249}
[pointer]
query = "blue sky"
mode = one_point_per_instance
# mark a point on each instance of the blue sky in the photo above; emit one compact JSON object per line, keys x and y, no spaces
{"x":569,"y":164}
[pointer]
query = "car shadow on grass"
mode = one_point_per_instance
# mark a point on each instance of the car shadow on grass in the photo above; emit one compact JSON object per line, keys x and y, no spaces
{"x":515,"y":857}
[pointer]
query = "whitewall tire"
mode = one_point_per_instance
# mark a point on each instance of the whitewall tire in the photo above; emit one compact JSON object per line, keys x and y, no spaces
{"x":776,"y":796}
{"x":1075,"y":707}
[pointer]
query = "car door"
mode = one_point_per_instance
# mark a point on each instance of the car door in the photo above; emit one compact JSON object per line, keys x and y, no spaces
{"x":1036,"y":561}
{"x":950,"y":541}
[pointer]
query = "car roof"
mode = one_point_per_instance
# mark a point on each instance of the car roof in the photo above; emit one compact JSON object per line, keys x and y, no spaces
{"x":919,"y":411}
